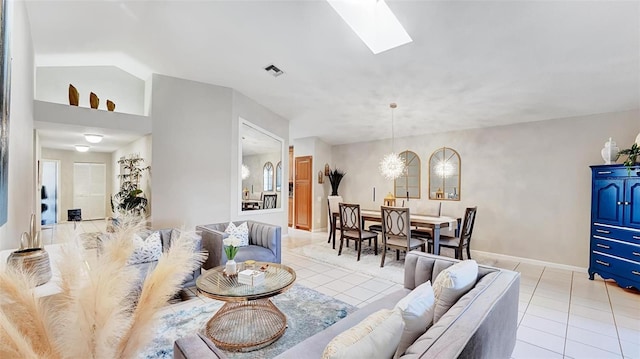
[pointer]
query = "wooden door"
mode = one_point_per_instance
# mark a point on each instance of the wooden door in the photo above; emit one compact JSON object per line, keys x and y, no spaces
{"x":302,"y":191}
{"x":291,"y":167}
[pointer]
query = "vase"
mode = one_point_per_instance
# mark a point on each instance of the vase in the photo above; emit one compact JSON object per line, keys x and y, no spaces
{"x":74,"y":96}
{"x":610,"y":152}
{"x":231,"y":267}
{"x":111,"y":105}
{"x":94,"y":100}
{"x":34,"y":261}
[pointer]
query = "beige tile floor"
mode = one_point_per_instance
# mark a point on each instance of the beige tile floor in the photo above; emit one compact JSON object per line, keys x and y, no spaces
{"x":562,"y":314}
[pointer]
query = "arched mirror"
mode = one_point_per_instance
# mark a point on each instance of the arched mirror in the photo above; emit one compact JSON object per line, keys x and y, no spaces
{"x":408,"y":184}
{"x":267,"y":177}
{"x":279,"y":177}
{"x":444,"y":175}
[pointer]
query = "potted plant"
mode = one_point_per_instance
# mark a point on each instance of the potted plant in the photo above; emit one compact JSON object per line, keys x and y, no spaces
{"x":632,"y":156}
{"x":335,"y":176}
{"x":130,"y":199}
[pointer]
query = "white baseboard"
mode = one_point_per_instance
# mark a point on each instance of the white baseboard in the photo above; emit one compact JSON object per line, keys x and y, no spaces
{"x":323,"y":229}
{"x":532,"y":261}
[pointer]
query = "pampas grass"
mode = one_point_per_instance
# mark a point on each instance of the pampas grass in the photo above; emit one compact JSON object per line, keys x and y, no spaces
{"x":95,"y":315}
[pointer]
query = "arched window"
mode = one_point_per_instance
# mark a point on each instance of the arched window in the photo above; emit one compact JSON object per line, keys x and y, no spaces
{"x":267,"y":177}
{"x":408,"y":184}
{"x":279,"y":176}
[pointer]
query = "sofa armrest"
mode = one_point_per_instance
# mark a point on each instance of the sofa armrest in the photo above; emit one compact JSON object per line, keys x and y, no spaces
{"x":212,"y":243}
{"x":196,"y":347}
{"x":266,"y":236}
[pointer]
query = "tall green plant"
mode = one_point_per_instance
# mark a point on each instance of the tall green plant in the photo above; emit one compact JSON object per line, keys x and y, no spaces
{"x":632,"y":156}
{"x":130,"y":199}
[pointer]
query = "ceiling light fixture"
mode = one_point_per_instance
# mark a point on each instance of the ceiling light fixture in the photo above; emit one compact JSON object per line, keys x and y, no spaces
{"x":245,"y":172}
{"x":373,"y":22}
{"x":392,"y":165}
{"x":91,"y":138}
{"x":82,"y":148}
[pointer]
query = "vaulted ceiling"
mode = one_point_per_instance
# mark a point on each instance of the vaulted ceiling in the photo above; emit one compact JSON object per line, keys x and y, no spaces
{"x":471,"y":63}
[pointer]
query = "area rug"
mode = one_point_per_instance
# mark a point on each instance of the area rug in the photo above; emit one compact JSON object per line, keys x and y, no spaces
{"x":308,"y":312}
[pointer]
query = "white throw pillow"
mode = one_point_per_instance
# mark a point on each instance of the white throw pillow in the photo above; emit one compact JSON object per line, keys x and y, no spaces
{"x":146,"y":250}
{"x":374,"y":337}
{"x":417,"y":312}
{"x":451,"y":284}
{"x":241,"y":232}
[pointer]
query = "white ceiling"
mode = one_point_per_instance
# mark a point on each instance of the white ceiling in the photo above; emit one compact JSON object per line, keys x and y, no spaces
{"x":471,"y":63}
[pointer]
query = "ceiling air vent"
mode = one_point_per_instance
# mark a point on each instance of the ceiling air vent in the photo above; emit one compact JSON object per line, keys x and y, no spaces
{"x":273,"y":70}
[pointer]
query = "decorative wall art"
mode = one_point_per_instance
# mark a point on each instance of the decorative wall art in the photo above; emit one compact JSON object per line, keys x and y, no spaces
{"x":5,"y":95}
{"x":320,"y":177}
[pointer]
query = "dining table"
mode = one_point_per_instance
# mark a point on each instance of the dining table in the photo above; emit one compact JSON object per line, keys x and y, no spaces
{"x":436,"y":223}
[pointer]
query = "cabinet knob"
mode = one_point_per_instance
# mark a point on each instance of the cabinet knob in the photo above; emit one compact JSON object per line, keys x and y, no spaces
{"x":618,"y":203}
{"x":627,"y":203}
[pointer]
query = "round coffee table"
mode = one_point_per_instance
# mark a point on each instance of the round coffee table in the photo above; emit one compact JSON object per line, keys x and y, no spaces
{"x":248,"y":320}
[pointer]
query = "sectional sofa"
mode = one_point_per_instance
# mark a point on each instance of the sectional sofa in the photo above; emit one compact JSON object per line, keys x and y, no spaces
{"x":481,"y":324}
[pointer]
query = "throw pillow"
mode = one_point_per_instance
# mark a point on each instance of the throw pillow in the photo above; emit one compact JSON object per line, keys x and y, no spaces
{"x":374,"y":337}
{"x":146,"y":250}
{"x":417,"y":312}
{"x":451,"y":284}
{"x":241,"y":232}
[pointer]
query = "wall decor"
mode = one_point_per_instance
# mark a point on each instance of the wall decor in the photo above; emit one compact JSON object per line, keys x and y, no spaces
{"x":327,"y":169}
{"x":444,"y":174}
{"x":110,"y":105}
{"x":94,"y":101}
{"x":320,"y":177}
{"x":5,"y":95}
{"x":74,"y":96}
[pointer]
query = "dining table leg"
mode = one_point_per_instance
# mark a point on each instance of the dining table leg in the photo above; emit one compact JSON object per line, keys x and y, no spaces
{"x":436,"y":239}
{"x":333,"y":230}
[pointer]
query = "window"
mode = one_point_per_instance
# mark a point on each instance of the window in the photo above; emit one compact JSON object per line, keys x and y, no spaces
{"x":279,"y":176}
{"x":267,"y":177}
{"x":408,"y":184}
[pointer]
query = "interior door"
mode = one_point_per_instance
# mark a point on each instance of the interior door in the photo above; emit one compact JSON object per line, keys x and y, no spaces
{"x":302,"y":191}
{"x":89,"y":187}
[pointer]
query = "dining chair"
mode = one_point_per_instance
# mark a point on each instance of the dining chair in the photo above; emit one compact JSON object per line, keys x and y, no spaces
{"x":426,"y":233}
{"x":351,"y":228}
{"x":269,"y":201}
{"x":396,"y":232}
{"x":333,"y":210}
{"x":464,"y":235}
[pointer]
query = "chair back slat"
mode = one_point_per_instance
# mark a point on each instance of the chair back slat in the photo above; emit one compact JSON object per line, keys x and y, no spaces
{"x":467,"y":226}
{"x":349,"y":216}
{"x":396,"y":223}
{"x":269,"y":201}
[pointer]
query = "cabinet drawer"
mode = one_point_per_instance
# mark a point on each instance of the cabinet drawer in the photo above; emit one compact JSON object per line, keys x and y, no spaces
{"x":613,"y":172}
{"x":616,"y":248}
{"x":602,"y":262}
{"x":616,"y":233}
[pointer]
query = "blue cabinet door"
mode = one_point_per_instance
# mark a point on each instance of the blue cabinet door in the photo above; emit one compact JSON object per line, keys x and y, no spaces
{"x":632,"y":203}
{"x":607,"y":206}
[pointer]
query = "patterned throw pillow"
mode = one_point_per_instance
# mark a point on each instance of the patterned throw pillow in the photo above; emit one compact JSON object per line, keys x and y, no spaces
{"x":241,"y":232}
{"x":146,"y":250}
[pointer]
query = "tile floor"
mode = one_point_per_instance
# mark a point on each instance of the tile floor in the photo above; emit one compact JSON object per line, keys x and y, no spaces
{"x":562,"y":314}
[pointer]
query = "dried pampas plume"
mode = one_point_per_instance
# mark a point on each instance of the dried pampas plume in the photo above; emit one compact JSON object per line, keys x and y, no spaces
{"x":94,"y":315}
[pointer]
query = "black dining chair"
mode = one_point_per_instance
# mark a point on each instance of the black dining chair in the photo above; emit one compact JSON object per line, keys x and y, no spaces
{"x":396,"y":232}
{"x":463,"y":238}
{"x":269,"y":201}
{"x":351,"y":228}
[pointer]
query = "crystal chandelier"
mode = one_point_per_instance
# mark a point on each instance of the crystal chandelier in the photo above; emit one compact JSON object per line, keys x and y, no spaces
{"x":392,"y":165}
{"x":245,"y":172}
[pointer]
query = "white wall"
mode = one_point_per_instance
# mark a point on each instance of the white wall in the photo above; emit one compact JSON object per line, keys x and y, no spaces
{"x":142,"y":147}
{"x":192,"y":152}
{"x":21,"y":150}
{"x":531,"y":182}
{"x":107,"y":82}
{"x":67,"y":159}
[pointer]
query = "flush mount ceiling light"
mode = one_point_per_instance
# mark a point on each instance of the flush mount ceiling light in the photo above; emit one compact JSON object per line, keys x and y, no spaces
{"x":82,"y":148}
{"x":91,"y":138}
{"x":373,"y":22}
{"x":392,"y":165}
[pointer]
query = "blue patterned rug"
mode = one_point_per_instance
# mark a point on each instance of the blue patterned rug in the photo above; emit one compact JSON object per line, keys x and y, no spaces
{"x":308,"y":312}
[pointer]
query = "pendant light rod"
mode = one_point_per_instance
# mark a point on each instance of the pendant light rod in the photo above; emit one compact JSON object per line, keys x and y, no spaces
{"x":393,"y":106}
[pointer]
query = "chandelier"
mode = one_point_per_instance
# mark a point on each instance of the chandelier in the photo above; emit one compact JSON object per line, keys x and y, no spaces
{"x":392,"y":165}
{"x":245,"y":172}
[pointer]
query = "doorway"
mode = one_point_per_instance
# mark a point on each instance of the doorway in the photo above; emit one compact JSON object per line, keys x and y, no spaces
{"x":49,"y":192}
{"x":303,"y":195}
{"x":89,"y":189}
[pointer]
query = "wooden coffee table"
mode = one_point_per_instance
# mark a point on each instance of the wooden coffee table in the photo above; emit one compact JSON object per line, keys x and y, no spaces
{"x":248,"y":320}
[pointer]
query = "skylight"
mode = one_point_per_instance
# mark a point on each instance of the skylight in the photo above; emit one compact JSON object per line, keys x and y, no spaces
{"x":373,"y":22}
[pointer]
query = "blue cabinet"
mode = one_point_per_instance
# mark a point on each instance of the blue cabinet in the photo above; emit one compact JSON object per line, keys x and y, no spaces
{"x":615,"y":225}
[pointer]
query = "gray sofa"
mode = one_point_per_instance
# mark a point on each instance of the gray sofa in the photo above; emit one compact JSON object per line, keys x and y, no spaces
{"x":264,"y":243}
{"x":482,"y":323}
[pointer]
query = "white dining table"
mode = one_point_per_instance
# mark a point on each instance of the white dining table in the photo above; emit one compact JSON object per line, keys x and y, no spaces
{"x":419,"y":220}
